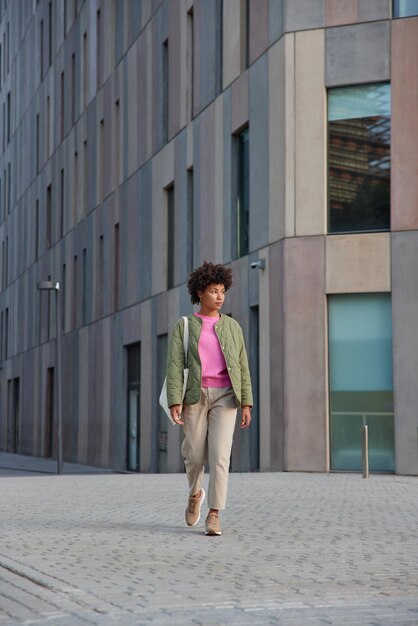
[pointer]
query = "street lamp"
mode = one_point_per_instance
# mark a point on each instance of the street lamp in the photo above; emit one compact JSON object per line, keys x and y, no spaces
{"x":47,"y":285}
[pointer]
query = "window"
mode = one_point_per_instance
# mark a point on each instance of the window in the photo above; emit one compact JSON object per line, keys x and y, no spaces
{"x":190,"y":220}
{"x":50,"y":34}
{"x":75,"y":293}
{"x":37,"y":143}
{"x":9,"y":187}
{"x":48,"y":315}
{"x":48,"y":126}
{"x":62,"y":204}
{"x":62,"y":104}
{"x":63,"y":296}
{"x":85,"y":70}
{"x":361,"y":380}
{"x":5,"y":262}
{"x":190,"y":63}
{"x":98,"y":48}
{"x":37,"y":229}
{"x":116,"y":267}
{"x":101,"y":161}
{"x":84,"y":289}
{"x":75,"y":187}
{"x":134,"y":388}
{"x":241,"y":147}
{"x":73,"y":88}
{"x":100,"y":277}
{"x":170,"y":236}
{"x":116,"y":142}
{"x":405,"y":8}
{"x":9,"y":112}
{"x":165,"y":92}
{"x":41,"y":48}
{"x":85,"y":165}
{"x":48,"y":216}
{"x":359,"y":158}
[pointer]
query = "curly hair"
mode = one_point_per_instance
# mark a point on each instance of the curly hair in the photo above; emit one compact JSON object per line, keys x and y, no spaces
{"x":205,"y":275}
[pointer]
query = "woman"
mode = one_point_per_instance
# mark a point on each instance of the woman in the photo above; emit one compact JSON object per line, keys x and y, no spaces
{"x":219,"y":382}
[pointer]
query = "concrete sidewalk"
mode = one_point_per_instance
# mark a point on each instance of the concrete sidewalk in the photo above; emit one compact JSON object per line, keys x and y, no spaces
{"x":297,"y":550}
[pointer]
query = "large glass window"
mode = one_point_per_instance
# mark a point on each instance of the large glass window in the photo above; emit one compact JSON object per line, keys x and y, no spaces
{"x":361,"y":381}
{"x":242,"y":145}
{"x":359,"y":158}
{"x":405,"y":8}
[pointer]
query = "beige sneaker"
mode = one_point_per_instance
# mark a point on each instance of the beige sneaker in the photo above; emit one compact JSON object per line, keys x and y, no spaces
{"x":213,"y":525}
{"x":193,"y":508}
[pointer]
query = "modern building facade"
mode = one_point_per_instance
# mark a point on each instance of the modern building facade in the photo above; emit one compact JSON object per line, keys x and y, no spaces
{"x":140,"y":137}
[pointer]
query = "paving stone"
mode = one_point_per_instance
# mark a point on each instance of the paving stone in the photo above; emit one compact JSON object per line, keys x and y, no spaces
{"x":297,"y":549}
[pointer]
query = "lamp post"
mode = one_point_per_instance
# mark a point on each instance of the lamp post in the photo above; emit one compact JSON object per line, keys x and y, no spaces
{"x":48,"y":285}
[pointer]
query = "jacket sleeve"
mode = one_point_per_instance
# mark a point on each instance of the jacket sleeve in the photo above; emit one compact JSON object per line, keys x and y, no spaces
{"x":175,"y":365}
{"x":246,"y":388}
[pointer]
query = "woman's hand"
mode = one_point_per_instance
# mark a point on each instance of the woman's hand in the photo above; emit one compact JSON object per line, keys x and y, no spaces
{"x":245,"y":416}
{"x":175,"y":412}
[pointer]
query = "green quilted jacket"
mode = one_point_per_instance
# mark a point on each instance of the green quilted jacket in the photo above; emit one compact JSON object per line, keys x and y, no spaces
{"x":232,"y":343}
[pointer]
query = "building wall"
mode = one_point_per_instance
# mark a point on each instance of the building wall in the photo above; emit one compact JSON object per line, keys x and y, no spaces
{"x":88,"y":118}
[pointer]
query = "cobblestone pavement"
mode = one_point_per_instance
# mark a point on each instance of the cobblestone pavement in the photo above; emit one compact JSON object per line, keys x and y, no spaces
{"x":297,"y":549}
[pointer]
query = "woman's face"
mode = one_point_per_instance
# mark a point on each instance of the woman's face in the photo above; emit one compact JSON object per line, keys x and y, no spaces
{"x":212,"y":298}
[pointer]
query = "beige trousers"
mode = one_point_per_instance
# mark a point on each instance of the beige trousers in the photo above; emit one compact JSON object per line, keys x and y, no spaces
{"x":208,"y":432}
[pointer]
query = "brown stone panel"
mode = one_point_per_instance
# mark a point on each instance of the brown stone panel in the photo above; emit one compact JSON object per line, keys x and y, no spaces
{"x":305,"y":414}
{"x":405,"y":349}
{"x":338,"y":12}
{"x":404,"y":179}
{"x":259,"y":28}
{"x":275,"y":261}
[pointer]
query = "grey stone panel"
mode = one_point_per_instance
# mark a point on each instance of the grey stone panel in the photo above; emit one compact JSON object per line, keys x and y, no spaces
{"x":160,"y":34}
{"x":303,"y":14}
{"x":207,"y":183}
{"x":259,"y":153}
{"x":120,"y":8}
{"x":124,"y":109}
{"x":275,"y":20}
{"x":94,"y":396}
{"x":405,"y":349}
{"x":197,"y":168}
{"x":145,"y":231}
{"x":181,"y":208}
{"x":134,"y":21}
{"x":373,"y":10}
{"x":92,"y":160}
{"x":150,"y":428}
{"x":259,"y":28}
{"x":227,"y":189}
{"x":357,"y":54}
{"x":208,"y":58}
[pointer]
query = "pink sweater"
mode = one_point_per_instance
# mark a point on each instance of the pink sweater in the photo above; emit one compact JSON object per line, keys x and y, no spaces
{"x":214,"y":371}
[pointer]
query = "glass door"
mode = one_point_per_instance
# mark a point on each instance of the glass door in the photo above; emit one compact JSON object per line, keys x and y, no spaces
{"x":361,"y":381}
{"x":134,"y":387}
{"x":133,"y":443}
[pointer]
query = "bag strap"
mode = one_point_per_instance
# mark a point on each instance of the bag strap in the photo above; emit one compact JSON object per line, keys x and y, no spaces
{"x":185,"y":336}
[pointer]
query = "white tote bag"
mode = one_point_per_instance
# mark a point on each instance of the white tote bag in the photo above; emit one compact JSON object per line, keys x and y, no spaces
{"x":163,"y":394}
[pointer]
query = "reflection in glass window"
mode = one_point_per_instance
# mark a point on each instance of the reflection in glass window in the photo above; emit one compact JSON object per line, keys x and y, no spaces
{"x":359,"y":158}
{"x":405,"y":8}
{"x":243,"y":192}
